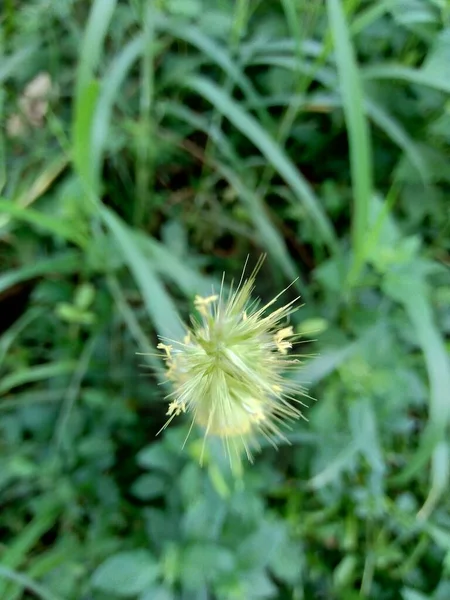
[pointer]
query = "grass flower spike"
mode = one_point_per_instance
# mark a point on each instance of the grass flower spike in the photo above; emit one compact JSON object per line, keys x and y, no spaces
{"x":229,"y":371}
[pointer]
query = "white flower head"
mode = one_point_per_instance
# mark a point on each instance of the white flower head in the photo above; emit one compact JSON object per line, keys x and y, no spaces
{"x":229,"y":372}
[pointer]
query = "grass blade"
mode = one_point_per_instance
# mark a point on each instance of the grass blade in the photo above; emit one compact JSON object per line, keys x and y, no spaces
{"x":13,"y":556}
{"x":13,"y":63}
{"x":82,"y":156}
{"x":26,"y":583}
{"x":49,"y":224}
{"x":111,"y":89}
{"x":159,"y":304}
{"x":9,"y":336}
{"x":79,"y":371}
{"x":358,"y":131}
{"x":95,"y":33}
{"x":36,"y":373}
{"x":87,"y":90}
{"x":399,"y":136}
{"x":269,"y":237}
{"x":250,"y":127}
{"x":59,"y":264}
{"x":437,"y":362}
{"x":407,"y":74}
{"x":208,"y":46}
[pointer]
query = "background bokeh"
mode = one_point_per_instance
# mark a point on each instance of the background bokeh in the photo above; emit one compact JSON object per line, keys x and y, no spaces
{"x":145,"y":149}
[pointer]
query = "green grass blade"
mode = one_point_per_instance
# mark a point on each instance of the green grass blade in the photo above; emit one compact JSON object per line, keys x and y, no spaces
{"x":144,"y":162}
{"x":87,"y":90}
{"x":440,"y":478}
{"x":250,"y":127}
{"x":159,"y":304}
{"x":393,"y":129}
{"x":318,"y":369}
{"x":12,"y":64}
{"x":40,"y":396}
{"x":14,"y":555}
{"x":79,"y":372}
{"x":36,"y":373}
{"x":26,"y":583}
{"x":82,"y":155}
{"x":369,"y":15}
{"x":91,"y":49}
{"x":52,"y":225}
{"x":111,"y":88}
{"x":219,"y":55}
{"x":437,"y":362}
{"x":408,"y":75}
{"x":357,"y":129}
{"x":197,"y":121}
{"x":172,"y":268}
{"x":269,"y":237}
{"x":65,"y":263}
{"x":8,"y":338}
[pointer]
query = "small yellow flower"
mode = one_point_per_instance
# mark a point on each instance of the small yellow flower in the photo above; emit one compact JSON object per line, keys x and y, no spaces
{"x":229,"y":371}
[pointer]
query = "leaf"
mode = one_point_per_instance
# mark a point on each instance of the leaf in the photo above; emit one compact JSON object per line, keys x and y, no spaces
{"x":259,"y":585}
{"x":343,"y":460}
{"x":147,"y":487}
{"x":156,"y":456}
{"x":288,"y":562}
{"x":257,"y":550}
{"x":365,"y":431}
{"x":126,"y":573}
{"x":204,"y":562}
{"x":158,"y":592}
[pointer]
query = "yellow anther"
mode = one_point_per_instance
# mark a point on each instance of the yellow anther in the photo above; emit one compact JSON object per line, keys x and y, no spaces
{"x":176,"y":407}
{"x":201,"y":303}
{"x":282,"y":345}
{"x":166,"y":348}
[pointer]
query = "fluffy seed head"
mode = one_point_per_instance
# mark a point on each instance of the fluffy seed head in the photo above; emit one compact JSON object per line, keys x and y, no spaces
{"x":229,"y":370}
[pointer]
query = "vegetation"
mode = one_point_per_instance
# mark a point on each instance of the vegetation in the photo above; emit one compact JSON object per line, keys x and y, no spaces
{"x":148,"y":147}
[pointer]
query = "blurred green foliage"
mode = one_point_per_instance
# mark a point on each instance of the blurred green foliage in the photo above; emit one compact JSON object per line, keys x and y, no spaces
{"x":145,"y":148}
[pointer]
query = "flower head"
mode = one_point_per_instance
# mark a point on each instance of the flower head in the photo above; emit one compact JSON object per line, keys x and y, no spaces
{"x":229,"y":370}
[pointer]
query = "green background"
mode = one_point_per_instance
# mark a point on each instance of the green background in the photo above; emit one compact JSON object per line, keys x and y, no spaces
{"x":173,"y":140}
